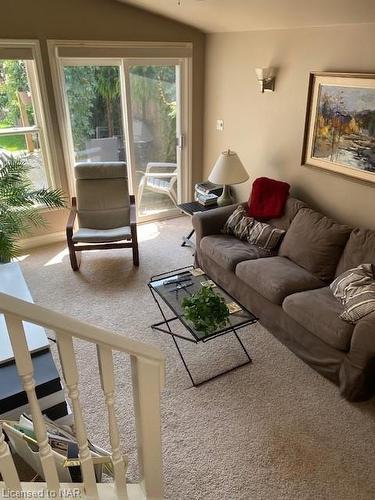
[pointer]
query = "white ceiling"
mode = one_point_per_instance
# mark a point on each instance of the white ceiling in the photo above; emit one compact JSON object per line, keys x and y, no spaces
{"x":249,"y":15}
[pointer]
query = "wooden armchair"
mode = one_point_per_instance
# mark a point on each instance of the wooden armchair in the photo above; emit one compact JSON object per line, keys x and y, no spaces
{"x":106,"y":213}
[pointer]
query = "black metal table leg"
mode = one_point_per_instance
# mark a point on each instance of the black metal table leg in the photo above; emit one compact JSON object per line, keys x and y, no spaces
{"x":166,"y":322}
{"x":243,"y":347}
{"x":186,"y":240}
{"x":165,"y":327}
{"x":249,"y":361}
{"x":184,"y":362}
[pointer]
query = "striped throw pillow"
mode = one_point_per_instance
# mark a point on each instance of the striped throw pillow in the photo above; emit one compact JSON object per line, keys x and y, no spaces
{"x":265,"y":236}
{"x":238,"y":224}
{"x":355,"y":289}
{"x":243,"y":228}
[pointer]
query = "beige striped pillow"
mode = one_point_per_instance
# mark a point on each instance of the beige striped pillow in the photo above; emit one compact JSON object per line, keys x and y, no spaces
{"x":265,"y":236}
{"x":238,"y":224}
{"x":355,"y":289}
{"x":256,"y":233}
{"x":243,"y":228}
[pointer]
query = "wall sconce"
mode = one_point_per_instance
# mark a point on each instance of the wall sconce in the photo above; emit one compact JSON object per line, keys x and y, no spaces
{"x":266,"y":79}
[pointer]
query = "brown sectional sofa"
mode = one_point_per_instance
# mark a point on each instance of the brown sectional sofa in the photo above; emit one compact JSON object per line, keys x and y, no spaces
{"x":289,"y":292}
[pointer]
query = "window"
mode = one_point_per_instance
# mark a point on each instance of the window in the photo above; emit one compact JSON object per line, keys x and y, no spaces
{"x":22,"y":129}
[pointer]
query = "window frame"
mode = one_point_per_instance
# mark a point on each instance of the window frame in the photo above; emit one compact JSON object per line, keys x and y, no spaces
{"x":17,"y":50}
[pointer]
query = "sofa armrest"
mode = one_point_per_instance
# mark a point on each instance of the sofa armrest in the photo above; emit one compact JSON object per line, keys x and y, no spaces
{"x":362,"y":346}
{"x":357,"y":374}
{"x":211,"y":221}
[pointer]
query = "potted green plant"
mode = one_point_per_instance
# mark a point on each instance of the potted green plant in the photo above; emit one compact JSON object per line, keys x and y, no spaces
{"x":20,"y":205}
{"x":205,"y":310}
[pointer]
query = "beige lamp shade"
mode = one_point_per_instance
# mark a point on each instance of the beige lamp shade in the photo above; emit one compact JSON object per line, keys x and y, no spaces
{"x":228,"y":169}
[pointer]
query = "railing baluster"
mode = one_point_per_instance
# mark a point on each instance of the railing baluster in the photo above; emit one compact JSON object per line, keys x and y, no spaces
{"x":25,"y":370}
{"x":108,"y":385}
{"x":70,"y":374}
{"x":146,"y":391}
{"x":147,"y":365}
{"x":7,"y":467}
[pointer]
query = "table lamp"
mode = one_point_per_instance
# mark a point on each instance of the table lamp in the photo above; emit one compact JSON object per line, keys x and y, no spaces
{"x":227,"y":170}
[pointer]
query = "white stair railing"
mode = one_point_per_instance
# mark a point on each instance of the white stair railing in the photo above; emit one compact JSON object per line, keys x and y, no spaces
{"x":147,"y":366}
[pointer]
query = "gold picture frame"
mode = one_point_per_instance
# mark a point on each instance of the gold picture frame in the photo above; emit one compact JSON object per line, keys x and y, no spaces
{"x":340,"y":124}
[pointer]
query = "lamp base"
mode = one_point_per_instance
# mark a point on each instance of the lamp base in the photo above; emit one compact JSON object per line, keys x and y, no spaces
{"x":225,"y":198}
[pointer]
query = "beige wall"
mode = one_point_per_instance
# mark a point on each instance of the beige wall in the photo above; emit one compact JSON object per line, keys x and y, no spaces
{"x":267,"y":129}
{"x":101,"y":20}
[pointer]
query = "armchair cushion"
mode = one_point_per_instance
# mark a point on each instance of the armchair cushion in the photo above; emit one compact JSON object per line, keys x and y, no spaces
{"x":87,"y":235}
{"x":100,"y":170}
{"x":102,"y":195}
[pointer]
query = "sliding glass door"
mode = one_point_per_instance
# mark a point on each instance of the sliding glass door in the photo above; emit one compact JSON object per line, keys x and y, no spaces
{"x":93,"y":100}
{"x":129,"y":110}
{"x":153,"y":126}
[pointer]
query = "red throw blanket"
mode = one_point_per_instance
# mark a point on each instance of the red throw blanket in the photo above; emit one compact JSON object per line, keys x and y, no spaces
{"x":268,"y":198}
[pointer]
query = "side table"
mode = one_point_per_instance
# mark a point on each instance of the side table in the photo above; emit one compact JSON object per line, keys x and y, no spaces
{"x":192,"y":208}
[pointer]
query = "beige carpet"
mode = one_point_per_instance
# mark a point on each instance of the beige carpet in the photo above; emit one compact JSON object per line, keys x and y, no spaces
{"x":271,"y":430}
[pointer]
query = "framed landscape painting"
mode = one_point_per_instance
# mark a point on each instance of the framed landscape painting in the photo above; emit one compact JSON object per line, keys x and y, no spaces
{"x":340,"y":124}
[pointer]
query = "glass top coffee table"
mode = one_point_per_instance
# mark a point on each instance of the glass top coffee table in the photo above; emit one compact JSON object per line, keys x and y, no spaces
{"x":170,"y":288}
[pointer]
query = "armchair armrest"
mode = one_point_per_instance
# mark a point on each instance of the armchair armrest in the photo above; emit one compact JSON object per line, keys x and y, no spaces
{"x":71,"y":219}
{"x":357,"y":373}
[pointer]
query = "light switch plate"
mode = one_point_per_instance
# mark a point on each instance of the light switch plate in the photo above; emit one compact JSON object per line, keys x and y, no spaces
{"x":220,"y":125}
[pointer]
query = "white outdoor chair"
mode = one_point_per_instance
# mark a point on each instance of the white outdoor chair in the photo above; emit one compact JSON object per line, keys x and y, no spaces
{"x":159,"y":178}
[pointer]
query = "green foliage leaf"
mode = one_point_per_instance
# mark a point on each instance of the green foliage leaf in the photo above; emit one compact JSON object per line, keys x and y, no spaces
{"x":206,"y":310}
{"x":8,"y":247}
{"x":18,"y":205}
{"x":52,"y":198}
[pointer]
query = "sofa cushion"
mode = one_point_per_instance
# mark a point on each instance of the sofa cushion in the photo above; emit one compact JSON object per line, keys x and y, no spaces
{"x":276,"y":277}
{"x":292,"y":207}
{"x":228,"y":251}
{"x":315,"y":243}
{"x":319,"y":312}
{"x":359,"y":248}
